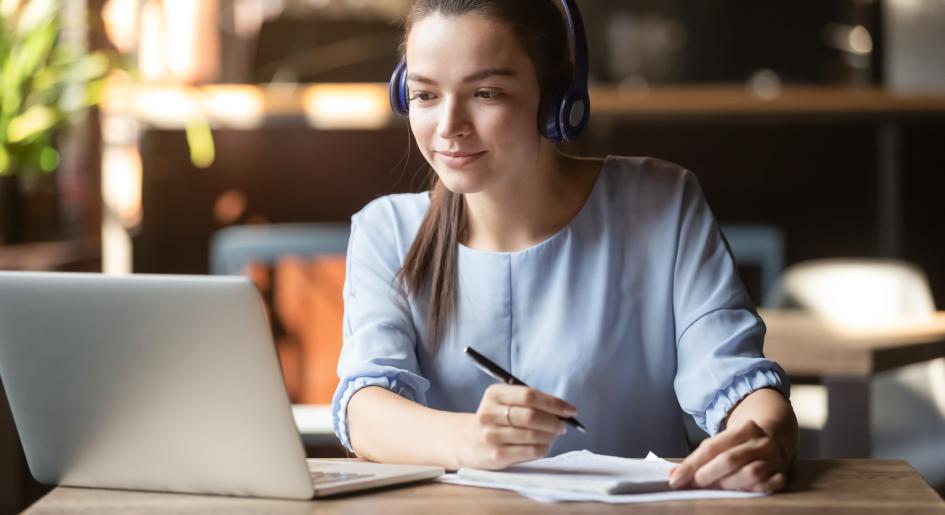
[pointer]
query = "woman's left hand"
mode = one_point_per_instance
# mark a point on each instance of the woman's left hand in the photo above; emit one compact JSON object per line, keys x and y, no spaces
{"x":743,"y":458}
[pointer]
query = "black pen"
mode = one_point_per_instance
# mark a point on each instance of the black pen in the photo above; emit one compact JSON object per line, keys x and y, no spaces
{"x":501,"y":375}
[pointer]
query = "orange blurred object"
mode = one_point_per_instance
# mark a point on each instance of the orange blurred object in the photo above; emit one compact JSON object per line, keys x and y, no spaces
{"x":307,"y":299}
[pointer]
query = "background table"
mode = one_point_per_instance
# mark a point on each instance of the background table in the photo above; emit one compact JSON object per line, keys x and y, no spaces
{"x":845,"y":360}
{"x":821,"y":487}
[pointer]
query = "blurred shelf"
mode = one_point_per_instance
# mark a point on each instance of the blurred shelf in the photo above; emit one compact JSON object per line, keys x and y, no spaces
{"x":724,"y":101}
{"x":50,"y":256}
{"x":365,"y":105}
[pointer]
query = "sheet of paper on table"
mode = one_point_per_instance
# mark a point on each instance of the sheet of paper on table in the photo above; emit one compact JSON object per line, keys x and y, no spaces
{"x":585,"y":476}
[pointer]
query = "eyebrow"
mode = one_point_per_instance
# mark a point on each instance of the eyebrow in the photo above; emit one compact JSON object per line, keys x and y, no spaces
{"x":480,"y":75}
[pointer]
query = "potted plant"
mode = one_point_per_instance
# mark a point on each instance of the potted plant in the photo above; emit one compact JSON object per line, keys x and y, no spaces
{"x":46,"y":81}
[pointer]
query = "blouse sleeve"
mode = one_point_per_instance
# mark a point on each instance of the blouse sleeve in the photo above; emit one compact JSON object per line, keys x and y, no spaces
{"x":379,"y":340}
{"x":719,"y":336}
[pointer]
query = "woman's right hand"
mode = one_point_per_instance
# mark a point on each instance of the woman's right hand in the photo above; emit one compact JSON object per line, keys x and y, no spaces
{"x":513,"y":424}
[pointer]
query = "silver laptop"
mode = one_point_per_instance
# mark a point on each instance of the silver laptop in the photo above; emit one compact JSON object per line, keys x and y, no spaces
{"x":162,"y":383}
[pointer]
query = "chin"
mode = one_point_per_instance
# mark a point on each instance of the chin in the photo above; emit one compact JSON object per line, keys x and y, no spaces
{"x":460,"y":182}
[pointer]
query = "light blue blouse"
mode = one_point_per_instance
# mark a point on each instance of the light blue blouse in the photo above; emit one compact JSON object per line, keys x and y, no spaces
{"x":633,"y":312}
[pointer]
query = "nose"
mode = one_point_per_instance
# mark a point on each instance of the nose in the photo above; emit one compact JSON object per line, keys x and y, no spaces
{"x":453,"y":122}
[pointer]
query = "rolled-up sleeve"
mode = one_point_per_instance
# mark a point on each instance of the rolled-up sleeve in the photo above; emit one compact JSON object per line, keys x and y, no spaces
{"x":719,"y":336}
{"x":379,"y":347}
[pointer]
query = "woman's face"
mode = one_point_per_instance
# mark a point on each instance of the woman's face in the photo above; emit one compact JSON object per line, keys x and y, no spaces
{"x":473,"y":100}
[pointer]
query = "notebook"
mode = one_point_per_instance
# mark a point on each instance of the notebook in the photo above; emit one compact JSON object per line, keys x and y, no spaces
{"x":580,"y":471}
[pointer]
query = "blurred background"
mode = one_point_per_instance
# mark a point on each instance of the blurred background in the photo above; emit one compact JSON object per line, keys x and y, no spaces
{"x":239,"y":136}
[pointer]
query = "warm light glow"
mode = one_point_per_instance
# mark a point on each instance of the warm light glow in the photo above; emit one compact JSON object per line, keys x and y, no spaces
{"x":121,"y":183}
{"x":8,"y":7}
{"x":117,"y":93}
{"x":853,"y":39}
{"x":119,"y":130}
{"x":230,"y":206}
{"x":765,"y":84}
{"x":151,"y":42}
{"x":167,"y":107}
{"x":347,"y":106}
{"x":240,"y":107}
{"x":179,"y":40}
{"x":116,"y":248}
{"x":121,"y":23}
{"x":810,"y":405}
{"x":860,"y":40}
{"x":855,"y":298}
{"x":191,"y":40}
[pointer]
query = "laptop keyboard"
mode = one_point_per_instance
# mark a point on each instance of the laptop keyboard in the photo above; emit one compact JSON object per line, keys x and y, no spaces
{"x":321,"y":478}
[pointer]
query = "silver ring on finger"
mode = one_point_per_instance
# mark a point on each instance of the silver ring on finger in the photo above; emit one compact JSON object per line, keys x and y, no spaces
{"x":508,"y":415}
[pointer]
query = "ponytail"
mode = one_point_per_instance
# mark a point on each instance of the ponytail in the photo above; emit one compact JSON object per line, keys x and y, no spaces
{"x":431,"y":262}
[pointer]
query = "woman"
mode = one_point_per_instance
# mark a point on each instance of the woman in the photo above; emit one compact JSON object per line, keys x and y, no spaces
{"x":603,"y":284}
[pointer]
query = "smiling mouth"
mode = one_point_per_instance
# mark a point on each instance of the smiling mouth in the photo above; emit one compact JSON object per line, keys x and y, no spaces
{"x":458,"y":159}
{"x":461,"y":154}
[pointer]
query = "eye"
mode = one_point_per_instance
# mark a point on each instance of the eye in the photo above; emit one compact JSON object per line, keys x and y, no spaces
{"x":422,"y":96}
{"x":489,"y":94}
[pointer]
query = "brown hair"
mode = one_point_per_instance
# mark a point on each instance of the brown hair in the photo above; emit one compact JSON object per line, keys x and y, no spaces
{"x":431,"y":263}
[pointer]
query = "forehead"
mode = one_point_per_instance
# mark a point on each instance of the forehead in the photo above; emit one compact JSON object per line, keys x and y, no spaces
{"x":447,"y":48}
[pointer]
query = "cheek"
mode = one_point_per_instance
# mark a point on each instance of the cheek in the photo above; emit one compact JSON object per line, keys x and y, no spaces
{"x":510,"y":129}
{"x":423,"y":127}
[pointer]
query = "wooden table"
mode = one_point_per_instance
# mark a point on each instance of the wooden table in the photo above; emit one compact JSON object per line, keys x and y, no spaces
{"x":845,"y":360}
{"x":821,"y":487}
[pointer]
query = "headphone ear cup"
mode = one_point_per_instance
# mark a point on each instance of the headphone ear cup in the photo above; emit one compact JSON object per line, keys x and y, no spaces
{"x":397,"y":90}
{"x":573,"y":115}
{"x":549,"y":123}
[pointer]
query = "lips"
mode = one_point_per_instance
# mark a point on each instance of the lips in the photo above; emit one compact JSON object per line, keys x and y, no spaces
{"x":460,"y":154}
{"x":458,"y":159}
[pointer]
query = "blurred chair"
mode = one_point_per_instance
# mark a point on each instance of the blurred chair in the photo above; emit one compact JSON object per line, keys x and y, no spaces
{"x":299,"y":268}
{"x":234,"y":248}
{"x":760,"y":246}
{"x":908,"y":404}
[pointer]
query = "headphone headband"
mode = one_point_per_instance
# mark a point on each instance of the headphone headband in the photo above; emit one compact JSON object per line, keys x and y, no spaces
{"x":574,"y":106}
{"x":563,"y":115}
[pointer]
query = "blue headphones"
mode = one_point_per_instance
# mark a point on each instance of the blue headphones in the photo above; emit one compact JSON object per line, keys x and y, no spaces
{"x":563,"y":114}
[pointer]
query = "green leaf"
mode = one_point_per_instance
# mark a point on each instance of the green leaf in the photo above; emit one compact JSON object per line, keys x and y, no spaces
{"x":48,"y":159}
{"x":27,"y":57}
{"x":90,"y":67}
{"x":200,"y":141}
{"x":35,"y":120}
{"x":36,"y":13}
{"x":44,"y":81}
{"x":94,"y":91}
{"x":4,"y":161}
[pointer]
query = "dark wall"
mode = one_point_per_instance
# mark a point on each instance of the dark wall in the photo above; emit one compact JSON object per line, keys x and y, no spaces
{"x":286,"y":174}
{"x":816,"y":181}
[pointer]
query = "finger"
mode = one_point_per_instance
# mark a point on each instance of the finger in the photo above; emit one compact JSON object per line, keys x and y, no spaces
{"x":531,"y":418}
{"x":510,"y":454}
{"x":682,"y":475}
{"x":505,"y":435}
{"x":776,"y":483}
{"x":770,"y":485}
{"x":518,"y":416}
{"x":532,"y":398}
{"x":747,"y":478}
{"x":729,"y":462}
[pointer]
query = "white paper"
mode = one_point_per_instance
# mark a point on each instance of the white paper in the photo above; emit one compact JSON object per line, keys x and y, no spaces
{"x":561,"y":478}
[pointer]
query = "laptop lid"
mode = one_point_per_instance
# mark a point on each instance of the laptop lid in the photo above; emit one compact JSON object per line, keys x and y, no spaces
{"x":164,"y":383}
